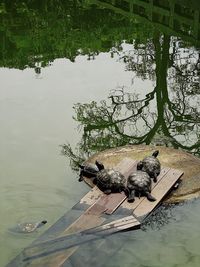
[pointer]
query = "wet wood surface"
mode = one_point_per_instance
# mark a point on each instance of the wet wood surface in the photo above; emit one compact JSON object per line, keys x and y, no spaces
{"x":95,"y":216}
{"x":169,"y":179}
{"x":168,"y":157}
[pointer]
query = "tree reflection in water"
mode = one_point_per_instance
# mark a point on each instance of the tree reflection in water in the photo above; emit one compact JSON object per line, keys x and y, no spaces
{"x":169,"y":114}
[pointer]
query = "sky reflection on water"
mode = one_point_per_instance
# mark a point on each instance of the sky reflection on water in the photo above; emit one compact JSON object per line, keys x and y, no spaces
{"x":144,"y":83}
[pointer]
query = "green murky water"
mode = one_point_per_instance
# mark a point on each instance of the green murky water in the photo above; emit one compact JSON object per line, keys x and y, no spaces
{"x":95,"y":74}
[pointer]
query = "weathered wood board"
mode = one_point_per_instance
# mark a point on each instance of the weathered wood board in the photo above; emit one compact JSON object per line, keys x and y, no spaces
{"x":93,"y":218}
{"x":169,"y":157}
{"x":84,"y":215}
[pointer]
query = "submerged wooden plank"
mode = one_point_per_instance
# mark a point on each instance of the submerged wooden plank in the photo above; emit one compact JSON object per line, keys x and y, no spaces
{"x":74,"y":259}
{"x":119,"y":224}
{"x":88,"y":226}
{"x":101,"y":202}
{"x":97,"y":253}
{"x":62,"y":243}
{"x":65,"y":242}
{"x":90,"y":218}
{"x":94,"y":211}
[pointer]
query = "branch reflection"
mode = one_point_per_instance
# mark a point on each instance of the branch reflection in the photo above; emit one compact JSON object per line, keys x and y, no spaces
{"x":168,"y":115}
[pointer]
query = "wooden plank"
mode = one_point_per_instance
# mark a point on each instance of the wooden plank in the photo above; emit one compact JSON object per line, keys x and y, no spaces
{"x":92,"y":196}
{"x":159,"y":191}
{"x":106,"y":204}
{"x":97,"y":252}
{"x":92,"y":214}
{"x":88,"y":226}
{"x":109,"y":203}
{"x":62,"y":243}
{"x":125,"y":167}
{"x":136,"y":203}
{"x":100,"y":203}
{"x":164,"y":175}
{"x":118,"y":224}
{"x":49,"y":261}
{"x":115,"y":201}
{"x":74,"y":259}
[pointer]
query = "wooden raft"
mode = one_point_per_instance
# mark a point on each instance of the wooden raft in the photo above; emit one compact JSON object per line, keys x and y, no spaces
{"x":95,"y":216}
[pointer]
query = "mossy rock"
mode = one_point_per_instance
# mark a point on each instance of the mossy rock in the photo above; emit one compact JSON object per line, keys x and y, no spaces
{"x":169,"y":157}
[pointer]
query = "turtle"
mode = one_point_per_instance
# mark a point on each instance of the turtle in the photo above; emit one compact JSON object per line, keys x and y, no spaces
{"x":89,"y":170}
{"x":152,"y":166}
{"x":139,"y":182}
{"x":27,"y":227}
{"x":109,"y":180}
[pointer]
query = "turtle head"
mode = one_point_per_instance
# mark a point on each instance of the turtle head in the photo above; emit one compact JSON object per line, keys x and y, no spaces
{"x":99,"y":165}
{"x":44,"y":222}
{"x":139,"y":165}
{"x":81,"y":166}
{"x":155,"y":153}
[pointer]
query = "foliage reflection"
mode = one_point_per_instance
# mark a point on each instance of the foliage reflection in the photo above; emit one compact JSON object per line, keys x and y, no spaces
{"x":168,"y":115}
{"x":34,"y":33}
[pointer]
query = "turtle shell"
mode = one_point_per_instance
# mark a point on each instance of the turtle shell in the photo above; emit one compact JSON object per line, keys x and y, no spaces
{"x":27,"y":227}
{"x":139,"y":181}
{"x":110,"y":179}
{"x":88,"y":170}
{"x":90,"y":167}
{"x":152,"y":166}
{"x":24,"y":228}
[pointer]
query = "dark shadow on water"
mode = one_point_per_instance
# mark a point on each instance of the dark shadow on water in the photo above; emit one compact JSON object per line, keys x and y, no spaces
{"x":102,"y":252}
{"x":132,"y":245}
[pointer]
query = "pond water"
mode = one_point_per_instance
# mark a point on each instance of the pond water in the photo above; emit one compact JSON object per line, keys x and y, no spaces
{"x":94,"y":75}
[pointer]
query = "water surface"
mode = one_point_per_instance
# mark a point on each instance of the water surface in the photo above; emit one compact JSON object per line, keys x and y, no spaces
{"x":95,"y":75}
